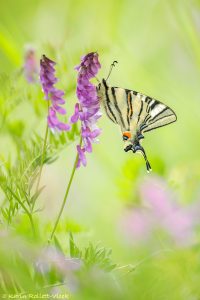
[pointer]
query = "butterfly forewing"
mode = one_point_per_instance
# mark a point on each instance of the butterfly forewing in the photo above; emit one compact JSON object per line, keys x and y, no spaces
{"x":157,"y":115}
{"x":115,"y":103}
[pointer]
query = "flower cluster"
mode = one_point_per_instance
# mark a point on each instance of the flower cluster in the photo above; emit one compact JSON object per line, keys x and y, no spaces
{"x":48,"y":80}
{"x":160,"y":212}
{"x":51,"y":260}
{"x":50,"y":256}
{"x":87,"y":110}
{"x":30,"y":66}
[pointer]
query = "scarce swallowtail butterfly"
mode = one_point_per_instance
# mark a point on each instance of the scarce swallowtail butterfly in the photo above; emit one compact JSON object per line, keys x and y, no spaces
{"x":134,"y":112}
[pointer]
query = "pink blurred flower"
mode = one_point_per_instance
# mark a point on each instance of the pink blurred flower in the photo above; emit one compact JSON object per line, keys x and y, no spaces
{"x":31,"y":71}
{"x":137,"y":224}
{"x":51,"y":257}
{"x":159,"y":211}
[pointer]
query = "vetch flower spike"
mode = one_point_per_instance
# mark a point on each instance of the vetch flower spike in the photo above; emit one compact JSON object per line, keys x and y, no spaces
{"x":30,"y":68}
{"x":48,"y":80}
{"x":55,"y":96}
{"x":88,"y":108}
{"x":87,"y":111}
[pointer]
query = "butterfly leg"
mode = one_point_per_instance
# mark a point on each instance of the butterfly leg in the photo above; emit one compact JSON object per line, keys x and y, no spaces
{"x":139,"y":136}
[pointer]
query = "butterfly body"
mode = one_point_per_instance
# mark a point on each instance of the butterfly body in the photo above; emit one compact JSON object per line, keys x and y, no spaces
{"x":135,"y":113}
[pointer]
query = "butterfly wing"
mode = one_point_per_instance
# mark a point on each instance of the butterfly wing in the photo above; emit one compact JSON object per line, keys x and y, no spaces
{"x":134,"y":111}
{"x":157,"y":115}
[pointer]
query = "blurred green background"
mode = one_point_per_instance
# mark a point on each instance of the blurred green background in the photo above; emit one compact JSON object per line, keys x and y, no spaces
{"x":157,"y":46}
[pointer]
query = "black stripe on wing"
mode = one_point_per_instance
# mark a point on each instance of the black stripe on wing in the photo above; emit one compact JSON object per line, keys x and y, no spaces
{"x":108,"y":109}
{"x":117,"y":107}
{"x":140,"y":112}
{"x":154,"y":104}
{"x":129,"y":107}
{"x":158,"y":115}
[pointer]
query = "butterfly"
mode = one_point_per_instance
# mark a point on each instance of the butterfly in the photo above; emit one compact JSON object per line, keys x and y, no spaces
{"x":134,"y":112}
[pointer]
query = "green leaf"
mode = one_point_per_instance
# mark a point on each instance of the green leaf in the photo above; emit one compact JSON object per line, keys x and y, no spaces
{"x":36,"y":194}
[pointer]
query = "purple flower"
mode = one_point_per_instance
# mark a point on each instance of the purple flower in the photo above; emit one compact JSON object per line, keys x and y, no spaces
{"x":88,"y":108}
{"x":50,"y":257}
{"x":48,"y":80}
{"x":175,"y":219}
{"x":30,"y":66}
{"x":137,"y":224}
{"x":160,"y":211}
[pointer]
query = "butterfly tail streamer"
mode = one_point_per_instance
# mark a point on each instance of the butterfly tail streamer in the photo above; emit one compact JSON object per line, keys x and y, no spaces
{"x":142,"y":151}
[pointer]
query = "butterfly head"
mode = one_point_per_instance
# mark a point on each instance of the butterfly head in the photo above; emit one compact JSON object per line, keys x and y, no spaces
{"x":130,"y":141}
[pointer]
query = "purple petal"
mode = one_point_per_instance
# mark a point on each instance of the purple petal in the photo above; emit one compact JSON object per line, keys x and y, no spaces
{"x":63,"y":126}
{"x":82,"y":157}
{"x":59,"y":109}
{"x":88,"y":145}
{"x":75,"y":116}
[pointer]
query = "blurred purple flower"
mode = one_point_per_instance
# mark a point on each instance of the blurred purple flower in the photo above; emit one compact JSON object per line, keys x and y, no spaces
{"x":51,"y":257}
{"x":31,"y":71}
{"x":171,"y":216}
{"x":137,"y":224}
{"x":160,"y":211}
{"x":48,"y":80}
{"x":88,"y":108}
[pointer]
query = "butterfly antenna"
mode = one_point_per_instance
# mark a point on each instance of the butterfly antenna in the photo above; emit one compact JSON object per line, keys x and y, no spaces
{"x":111,"y":67}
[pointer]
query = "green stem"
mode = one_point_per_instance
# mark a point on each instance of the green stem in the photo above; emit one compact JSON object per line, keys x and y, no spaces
{"x":66,"y":194}
{"x":42,"y":162}
{"x":32,"y":223}
{"x":25,"y":209}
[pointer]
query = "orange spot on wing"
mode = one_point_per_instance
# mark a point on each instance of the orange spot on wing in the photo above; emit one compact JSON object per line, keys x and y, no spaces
{"x":127,"y":134}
